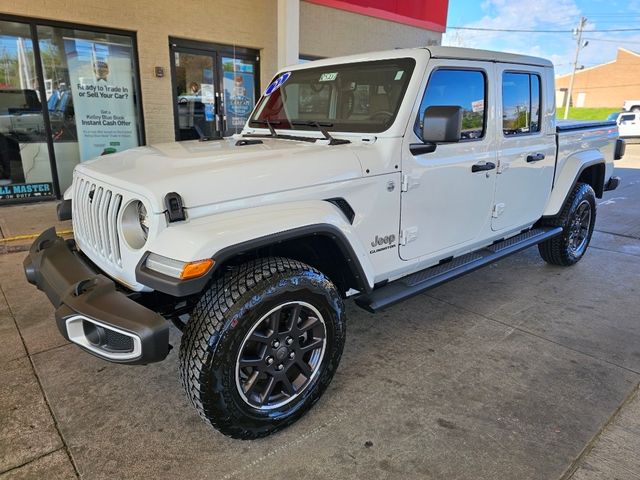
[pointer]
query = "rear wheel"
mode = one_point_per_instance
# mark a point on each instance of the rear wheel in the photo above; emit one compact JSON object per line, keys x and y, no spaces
{"x":577,"y":220}
{"x":262,"y":346}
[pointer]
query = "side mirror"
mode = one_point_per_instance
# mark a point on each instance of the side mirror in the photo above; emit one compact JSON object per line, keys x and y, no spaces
{"x":442,"y":124}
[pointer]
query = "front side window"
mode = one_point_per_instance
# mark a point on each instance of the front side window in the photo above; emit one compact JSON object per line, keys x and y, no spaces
{"x":355,"y":97}
{"x":463,"y":88}
{"x":521,"y":103}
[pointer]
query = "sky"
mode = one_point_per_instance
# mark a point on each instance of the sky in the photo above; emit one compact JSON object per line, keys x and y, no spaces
{"x":546,"y":15}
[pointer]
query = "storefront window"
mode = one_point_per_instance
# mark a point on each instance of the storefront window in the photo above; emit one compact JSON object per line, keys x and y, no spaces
{"x":81,"y":104}
{"x":25,"y":168}
{"x":91,"y":95}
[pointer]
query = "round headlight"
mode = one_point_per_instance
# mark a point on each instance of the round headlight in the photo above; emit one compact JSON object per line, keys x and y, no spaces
{"x":135,"y":224}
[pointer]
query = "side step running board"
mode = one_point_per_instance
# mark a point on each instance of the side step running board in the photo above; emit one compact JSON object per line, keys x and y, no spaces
{"x":418,"y":282}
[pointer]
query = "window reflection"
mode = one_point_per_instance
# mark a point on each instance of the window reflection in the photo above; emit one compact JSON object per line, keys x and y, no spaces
{"x":463,"y":88}
{"x":24,"y":159}
{"x":520,"y":103}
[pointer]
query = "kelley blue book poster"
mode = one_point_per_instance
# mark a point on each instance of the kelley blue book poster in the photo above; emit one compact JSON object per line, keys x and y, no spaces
{"x":239,"y":92}
{"x":102,"y":88}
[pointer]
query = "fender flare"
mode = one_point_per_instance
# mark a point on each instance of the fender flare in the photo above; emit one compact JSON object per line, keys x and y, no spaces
{"x":555,"y":203}
{"x":320,"y":229}
{"x":329,"y":222}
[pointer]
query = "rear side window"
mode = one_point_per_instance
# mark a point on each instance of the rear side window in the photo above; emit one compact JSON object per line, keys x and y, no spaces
{"x":521,"y":103}
{"x":463,"y":88}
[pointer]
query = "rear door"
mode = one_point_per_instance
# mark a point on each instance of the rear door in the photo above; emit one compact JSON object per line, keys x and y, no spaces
{"x":526,"y":146}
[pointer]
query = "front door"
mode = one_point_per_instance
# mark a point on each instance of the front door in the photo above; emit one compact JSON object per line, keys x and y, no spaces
{"x":526,"y":147}
{"x":214,"y":89}
{"x":446,"y":203}
{"x":196,"y":94}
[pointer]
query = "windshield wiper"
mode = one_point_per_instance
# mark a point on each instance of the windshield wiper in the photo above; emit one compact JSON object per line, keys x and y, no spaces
{"x":269,"y":125}
{"x":274,"y":134}
{"x":322,"y":127}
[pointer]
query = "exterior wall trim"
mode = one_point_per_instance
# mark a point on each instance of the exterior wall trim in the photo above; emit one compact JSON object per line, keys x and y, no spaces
{"x":379,"y":13}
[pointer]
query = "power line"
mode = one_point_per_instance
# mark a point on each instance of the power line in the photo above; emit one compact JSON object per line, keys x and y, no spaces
{"x":621,"y":40}
{"x":515,"y":30}
{"x":625,"y":15}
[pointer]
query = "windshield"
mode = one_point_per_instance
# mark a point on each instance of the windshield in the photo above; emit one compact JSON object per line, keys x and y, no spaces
{"x":353,"y":97}
{"x":613,"y":116}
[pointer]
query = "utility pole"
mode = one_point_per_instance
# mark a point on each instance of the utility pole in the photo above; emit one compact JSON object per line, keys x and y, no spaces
{"x":579,"y":46}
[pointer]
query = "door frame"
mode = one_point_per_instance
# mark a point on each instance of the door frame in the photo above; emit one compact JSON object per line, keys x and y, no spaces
{"x":217,"y":51}
{"x":174,"y":94}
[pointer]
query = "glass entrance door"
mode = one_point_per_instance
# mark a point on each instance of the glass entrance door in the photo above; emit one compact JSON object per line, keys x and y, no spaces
{"x":214,"y":86}
{"x":196,"y":97}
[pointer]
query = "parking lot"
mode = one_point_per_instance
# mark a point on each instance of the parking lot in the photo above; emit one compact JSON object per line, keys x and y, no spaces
{"x":518,"y":371}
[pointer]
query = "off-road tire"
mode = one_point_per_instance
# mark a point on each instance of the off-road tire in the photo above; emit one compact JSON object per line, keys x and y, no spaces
{"x":222,"y":320}
{"x":558,"y":250}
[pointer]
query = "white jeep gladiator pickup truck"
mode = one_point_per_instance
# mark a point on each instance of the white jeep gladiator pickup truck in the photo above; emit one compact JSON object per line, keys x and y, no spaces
{"x":375,"y":177}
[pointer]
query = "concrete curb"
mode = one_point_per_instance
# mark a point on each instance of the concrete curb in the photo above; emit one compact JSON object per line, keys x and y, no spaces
{"x":14,"y":248}
{"x":23,"y":243}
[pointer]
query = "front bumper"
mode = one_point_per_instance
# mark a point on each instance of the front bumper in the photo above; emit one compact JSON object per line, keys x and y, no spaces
{"x":90,"y":311}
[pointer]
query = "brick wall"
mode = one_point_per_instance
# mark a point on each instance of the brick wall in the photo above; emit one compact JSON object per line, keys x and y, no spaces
{"x":607,"y":85}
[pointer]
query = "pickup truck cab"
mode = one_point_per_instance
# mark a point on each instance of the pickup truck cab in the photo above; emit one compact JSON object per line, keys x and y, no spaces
{"x":372,"y":177}
{"x":629,"y":124}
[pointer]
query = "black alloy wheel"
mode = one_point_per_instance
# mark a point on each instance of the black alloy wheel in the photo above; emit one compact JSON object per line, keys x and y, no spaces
{"x":281,"y":355}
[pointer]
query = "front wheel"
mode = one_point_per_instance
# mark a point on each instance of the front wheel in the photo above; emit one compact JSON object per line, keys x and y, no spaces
{"x":262,"y":346}
{"x":577,"y":220}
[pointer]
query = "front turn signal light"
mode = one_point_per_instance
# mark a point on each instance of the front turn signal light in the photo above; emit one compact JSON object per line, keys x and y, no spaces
{"x":196,"y":269}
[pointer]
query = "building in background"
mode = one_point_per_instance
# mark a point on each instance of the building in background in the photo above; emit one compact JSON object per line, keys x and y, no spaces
{"x":82,"y":78}
{"x":607,"y":85}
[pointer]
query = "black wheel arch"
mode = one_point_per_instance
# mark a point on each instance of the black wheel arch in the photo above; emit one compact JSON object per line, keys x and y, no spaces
{"x":322,"y":246}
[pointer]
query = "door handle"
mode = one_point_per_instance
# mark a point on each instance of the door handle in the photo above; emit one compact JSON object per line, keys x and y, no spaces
{"x":483,"y":167}
{"x":536,"y":157}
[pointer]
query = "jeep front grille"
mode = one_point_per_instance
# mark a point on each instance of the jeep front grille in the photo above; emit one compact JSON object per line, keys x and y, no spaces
{"x":95,"y":217}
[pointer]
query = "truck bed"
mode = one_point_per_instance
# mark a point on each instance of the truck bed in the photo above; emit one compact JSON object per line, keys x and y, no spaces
{"x":571,"y":125}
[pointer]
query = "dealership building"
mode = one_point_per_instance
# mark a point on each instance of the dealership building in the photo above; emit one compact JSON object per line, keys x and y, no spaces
{"x":84,"y":78}
{"x":606,"y":85}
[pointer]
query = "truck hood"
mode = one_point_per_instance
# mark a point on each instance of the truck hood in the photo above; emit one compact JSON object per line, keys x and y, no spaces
{"x":205,"y":173}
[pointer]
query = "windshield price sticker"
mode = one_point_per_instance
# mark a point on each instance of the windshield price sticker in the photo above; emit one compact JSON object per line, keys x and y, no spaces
{"x":328,"y":77}
{"x":277,"y":83}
